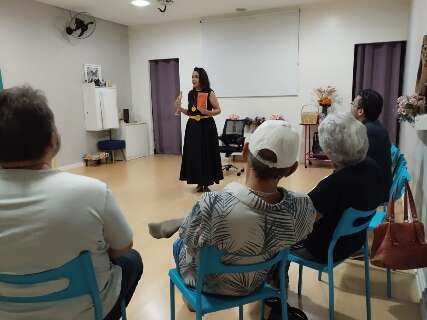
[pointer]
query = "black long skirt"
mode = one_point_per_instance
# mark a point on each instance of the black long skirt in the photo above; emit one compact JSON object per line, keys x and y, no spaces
{"x":201,"y":161}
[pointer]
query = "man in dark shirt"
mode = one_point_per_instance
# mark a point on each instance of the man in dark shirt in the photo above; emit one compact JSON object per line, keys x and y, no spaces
{"x":357,"y":182}
{"x":367,"y":107}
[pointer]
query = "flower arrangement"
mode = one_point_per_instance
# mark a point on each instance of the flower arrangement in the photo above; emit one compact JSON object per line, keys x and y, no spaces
{"x":325,"y":96}
{"x":410,"y":106}
{"x":277,"y":117}
{"x":233,"y":117}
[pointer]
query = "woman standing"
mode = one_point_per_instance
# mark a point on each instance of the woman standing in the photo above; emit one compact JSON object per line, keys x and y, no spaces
{"x":201,"y":161}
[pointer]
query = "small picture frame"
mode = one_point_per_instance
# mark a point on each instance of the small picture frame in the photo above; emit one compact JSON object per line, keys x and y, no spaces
{"x":92,"y":73}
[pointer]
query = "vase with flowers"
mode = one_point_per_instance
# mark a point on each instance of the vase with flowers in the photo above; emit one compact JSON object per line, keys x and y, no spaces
{"x":325,"y":98}
{"x":410,"y":106}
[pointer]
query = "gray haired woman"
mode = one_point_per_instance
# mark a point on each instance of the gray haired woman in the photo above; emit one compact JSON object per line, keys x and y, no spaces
{"x":356,"y":182}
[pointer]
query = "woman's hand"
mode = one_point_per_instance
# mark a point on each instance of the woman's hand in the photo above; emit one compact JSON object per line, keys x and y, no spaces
{"x":178,"y":103}
{"x":204,"y":111}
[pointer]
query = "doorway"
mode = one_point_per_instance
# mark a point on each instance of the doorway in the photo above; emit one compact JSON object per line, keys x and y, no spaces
{"x":380,"y":66}
{"x":164,"y":77}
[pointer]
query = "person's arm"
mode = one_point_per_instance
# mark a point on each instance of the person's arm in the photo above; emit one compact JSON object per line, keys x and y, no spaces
{"x":194,"y":230}
{"x":117,"y":232}
{"x":323,"y":197}
{"x":216,"y":109}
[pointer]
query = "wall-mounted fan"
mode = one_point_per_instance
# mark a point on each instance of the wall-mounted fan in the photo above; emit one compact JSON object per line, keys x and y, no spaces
{"x":81,"y":25}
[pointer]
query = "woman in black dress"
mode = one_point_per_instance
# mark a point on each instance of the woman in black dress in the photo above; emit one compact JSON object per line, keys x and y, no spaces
{"x":201,"y":161}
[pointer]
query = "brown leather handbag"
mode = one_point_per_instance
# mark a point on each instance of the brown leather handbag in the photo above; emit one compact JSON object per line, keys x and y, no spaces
{"x":400,"y":245}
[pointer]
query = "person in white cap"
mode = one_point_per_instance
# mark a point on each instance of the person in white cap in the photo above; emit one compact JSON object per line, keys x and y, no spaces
{"x":257,"y":219}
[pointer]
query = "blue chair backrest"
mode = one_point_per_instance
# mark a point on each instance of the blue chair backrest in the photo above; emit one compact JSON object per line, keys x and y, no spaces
{"x":401,"y":174}
{"x":395,"y":152}
{"x":79,"y":272}
{"x":350,"y":224}
{"x":210,"y":263}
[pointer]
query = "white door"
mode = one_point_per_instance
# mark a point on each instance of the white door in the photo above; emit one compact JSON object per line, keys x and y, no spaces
{"x":110,"y":117}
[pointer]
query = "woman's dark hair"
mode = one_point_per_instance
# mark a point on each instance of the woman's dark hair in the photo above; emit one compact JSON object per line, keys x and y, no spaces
{"x":203,"y":78}
{"x":371,"y":103}
{"x":26,"y":124}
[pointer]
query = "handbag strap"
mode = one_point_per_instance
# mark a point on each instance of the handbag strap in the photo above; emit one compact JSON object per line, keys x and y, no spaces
{"x":409,"y":198}
{"x":390,"y":208}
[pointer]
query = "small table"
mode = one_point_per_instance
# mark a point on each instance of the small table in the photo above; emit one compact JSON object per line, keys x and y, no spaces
{"x":308,"y":152}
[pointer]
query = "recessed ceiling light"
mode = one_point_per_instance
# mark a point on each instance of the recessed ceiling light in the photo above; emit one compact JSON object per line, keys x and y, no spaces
{"x":140,"y":3}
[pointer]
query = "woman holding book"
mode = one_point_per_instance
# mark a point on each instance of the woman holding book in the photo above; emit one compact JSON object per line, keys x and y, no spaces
{"x":201,"y":161}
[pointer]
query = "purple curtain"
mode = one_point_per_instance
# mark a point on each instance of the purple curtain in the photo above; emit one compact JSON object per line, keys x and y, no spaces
{"x":380,"y":66}
{"x":164,"y":76}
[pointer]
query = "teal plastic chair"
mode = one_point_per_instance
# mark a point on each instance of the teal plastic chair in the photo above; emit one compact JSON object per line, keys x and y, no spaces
{"x":210,"y":263}
{"x":348,"y":225}
{"x":400,"y":176}
{"x":82,"y":281}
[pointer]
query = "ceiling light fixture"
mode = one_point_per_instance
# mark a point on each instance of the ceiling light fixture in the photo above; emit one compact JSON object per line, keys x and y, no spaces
{"x":140,"y":3}
{"x":241,"y":9}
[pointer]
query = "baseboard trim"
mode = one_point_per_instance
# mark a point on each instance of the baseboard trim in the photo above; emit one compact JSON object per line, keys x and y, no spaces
{"x":71,"y":166}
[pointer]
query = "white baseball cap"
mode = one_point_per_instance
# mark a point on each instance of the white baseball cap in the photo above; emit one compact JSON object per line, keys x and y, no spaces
{"x":279,"y":137}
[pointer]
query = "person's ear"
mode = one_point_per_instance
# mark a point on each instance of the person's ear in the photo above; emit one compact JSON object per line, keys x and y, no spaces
{"x":360,"y":112}
{"x":292,"y":169}
{"x":245,"y":151}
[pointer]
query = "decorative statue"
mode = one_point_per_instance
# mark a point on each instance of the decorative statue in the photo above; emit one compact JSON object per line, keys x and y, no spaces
{"x":421,"y":87}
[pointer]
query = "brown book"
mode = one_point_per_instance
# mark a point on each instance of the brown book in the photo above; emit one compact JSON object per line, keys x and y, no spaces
{"x":202,"y":100}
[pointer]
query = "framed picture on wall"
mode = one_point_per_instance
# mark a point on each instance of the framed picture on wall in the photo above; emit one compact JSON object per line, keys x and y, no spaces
{"x":92,"y":72}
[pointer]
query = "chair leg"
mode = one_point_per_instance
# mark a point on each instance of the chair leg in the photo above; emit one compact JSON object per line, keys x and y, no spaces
{"x":123,"y":154}
{"x":199,"y":315}
{"x":172,"y":299}
{"x":113,"y":156}
{"x":367,"y":283}
{"x":388,"y":283}
{"x":319,"y":277}
{"x":262,"y":310}
{"x":240,"y":312}
{"x":300,"y":279}
{"x":331,"y":294}
{"x":123,"y":309}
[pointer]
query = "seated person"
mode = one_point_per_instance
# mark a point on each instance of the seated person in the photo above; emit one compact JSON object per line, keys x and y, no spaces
{"x":256,"y":220}
{"x":49,"y":217}
{"x":367,"y":107}
{"x":357,"y":182}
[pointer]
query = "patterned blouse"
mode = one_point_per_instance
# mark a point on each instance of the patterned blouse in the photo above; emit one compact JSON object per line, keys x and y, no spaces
{"x":239,"y":222}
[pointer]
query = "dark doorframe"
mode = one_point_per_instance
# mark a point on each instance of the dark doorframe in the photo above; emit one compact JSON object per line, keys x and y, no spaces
{"x":380,"y":66}
{"x":165,"y":87}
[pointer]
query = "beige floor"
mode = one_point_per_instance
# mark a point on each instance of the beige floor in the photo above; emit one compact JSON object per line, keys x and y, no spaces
{"x":148,"y":190}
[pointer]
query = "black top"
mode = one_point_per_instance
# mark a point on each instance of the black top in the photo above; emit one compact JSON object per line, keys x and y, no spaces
{"x":360,"y":187}
{"x":192,"y":101}
{"x":380,"y":151}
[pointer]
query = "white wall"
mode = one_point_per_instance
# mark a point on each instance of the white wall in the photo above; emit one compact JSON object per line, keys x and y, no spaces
{"x":414,"y":143}
{"x":34,"y":51}
{"x":328,"y":35}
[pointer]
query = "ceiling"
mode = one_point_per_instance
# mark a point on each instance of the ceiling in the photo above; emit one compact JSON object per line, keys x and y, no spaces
{"x":121,"y":11}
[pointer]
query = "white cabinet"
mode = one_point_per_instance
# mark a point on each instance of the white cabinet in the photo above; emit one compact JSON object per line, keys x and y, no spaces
{"x":100,"y":107}
{"x":136,"y":136}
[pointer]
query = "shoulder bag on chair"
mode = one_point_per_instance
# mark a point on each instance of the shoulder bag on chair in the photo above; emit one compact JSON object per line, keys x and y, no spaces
{"x":400,"y":245}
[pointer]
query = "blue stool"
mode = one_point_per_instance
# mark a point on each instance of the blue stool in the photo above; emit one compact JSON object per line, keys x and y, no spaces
{"x":111,"y":146}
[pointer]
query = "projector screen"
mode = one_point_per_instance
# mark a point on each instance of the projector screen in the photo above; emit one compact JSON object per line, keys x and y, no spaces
{"x":252,"y":56}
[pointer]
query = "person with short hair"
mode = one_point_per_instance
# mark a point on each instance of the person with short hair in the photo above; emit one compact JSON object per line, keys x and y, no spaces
{"x":48,"y":217}
{"x":255,"y":220}
{"x":357,"y":182}
{"x":367,"y":107}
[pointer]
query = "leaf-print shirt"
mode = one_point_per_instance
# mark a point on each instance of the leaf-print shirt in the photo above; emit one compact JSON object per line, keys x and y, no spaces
{"x":248,"y":229}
